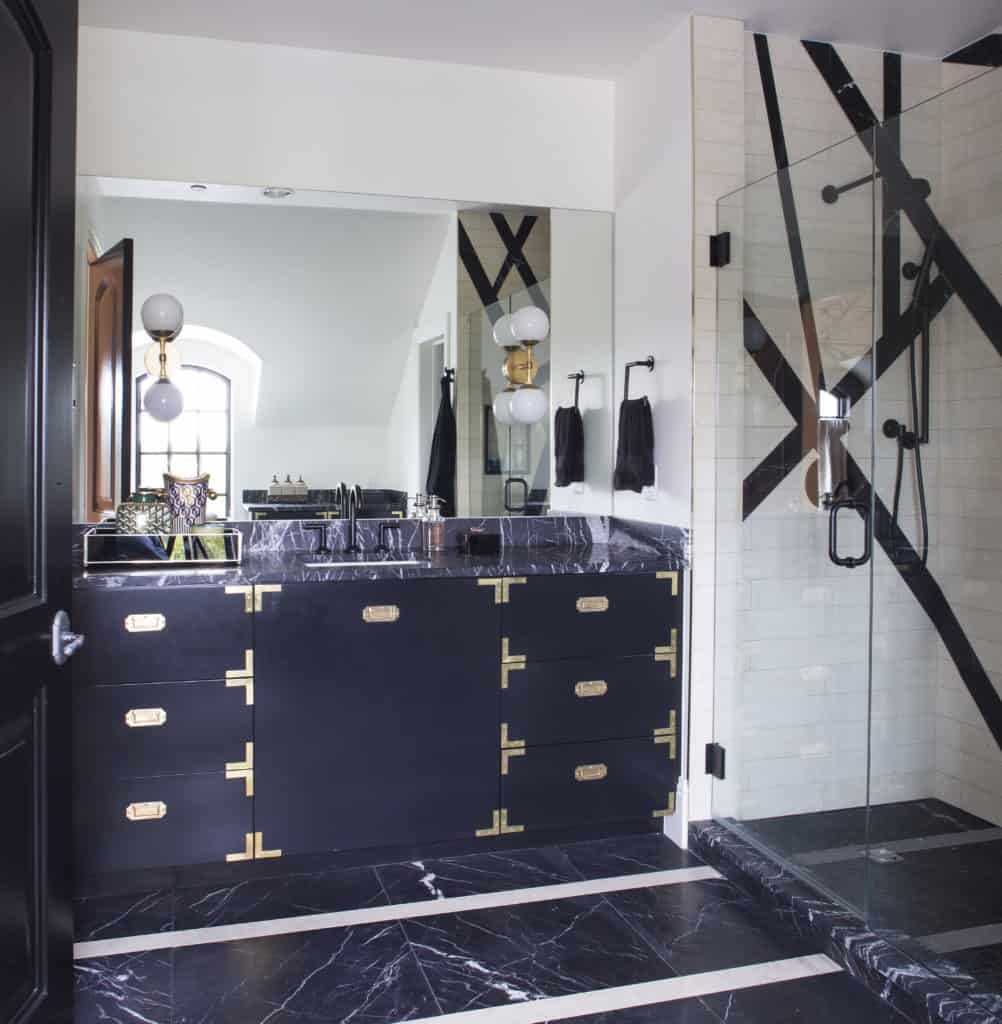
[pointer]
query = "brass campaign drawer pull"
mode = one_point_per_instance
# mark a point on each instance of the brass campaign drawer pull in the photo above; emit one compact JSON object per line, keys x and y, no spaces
{"x":151,"y":622}
{"x":144,"y":718}
{"x":590,"y":772}
{"x":380,"y":613}
{"x":591,"y":688}
{"x":592,"y":604}
{"x":148,"y":810}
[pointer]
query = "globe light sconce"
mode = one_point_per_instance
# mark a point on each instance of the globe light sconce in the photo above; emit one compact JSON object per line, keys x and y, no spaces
{"x":521,"y":401}
{"x":163,"y":318}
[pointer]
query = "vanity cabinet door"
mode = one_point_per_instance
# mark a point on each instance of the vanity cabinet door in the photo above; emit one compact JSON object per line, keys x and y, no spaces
{"x":160,"y":635}
{"x":376,"y":713}
{"x":579,"y":616}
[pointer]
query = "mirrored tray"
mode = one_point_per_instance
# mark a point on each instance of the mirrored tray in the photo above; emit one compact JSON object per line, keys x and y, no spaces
{"x":103,"y":547}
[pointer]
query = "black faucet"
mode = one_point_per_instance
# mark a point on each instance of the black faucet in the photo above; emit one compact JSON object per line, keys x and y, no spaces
{"x":321,"y":529}
{"x":381,"y":547}
{"x":354,"y":500}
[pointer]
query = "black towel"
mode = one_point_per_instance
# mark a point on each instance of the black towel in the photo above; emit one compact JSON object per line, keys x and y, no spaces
{"x":442,"y":463}
{"x":568,"y":436}
{"x":635,"y":448}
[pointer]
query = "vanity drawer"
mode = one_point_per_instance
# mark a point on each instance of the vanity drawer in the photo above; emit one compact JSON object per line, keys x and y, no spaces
{"x":160,"y":728}
{"x":586,"y":783}
{"x":161,"y":822}
{"x":580,"y":699}
{"x":579,"y":616}
{"x":171,"y":633}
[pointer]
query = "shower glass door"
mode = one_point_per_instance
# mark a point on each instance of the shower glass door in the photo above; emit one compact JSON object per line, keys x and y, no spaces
{"x":795,"y":563}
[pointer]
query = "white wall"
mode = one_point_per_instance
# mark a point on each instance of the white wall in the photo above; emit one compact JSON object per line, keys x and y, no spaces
{"x":188,"y":109}
{"x":581,"y":282}
{"x":653,"y":260}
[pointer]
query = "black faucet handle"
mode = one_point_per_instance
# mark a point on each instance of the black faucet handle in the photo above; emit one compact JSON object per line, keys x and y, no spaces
{"x":382,"y":548}
{"x":322,"y":547}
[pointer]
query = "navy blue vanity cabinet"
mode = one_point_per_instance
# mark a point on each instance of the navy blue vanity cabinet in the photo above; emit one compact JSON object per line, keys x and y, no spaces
{"x":377,"y":709}
{"x":163,"y":727}
{"x":590,"y":699}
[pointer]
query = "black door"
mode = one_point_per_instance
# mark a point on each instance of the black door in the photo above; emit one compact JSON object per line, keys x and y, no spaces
{"x":37,"y":125}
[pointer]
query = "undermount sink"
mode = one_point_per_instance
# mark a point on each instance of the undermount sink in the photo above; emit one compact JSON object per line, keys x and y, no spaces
{"x":365,"y":563}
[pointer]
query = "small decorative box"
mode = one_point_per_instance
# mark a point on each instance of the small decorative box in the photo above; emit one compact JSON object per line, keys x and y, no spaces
{"x":144,"y":512}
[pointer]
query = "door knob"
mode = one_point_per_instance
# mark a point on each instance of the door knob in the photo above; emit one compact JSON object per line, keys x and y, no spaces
{"x":64,"y":642}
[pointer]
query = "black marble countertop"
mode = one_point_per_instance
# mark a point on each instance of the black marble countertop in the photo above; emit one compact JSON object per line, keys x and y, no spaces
{"x":290,"y":567}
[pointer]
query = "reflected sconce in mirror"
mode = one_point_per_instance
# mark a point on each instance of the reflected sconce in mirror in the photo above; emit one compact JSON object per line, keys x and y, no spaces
{"x":163,"y":318}
{"x":522,"y":401}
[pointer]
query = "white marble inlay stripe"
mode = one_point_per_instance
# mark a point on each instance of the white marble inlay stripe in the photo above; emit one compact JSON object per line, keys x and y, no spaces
{"x":391,"y":912}
{"x":964,"y":938}
{"x":647,"y":993}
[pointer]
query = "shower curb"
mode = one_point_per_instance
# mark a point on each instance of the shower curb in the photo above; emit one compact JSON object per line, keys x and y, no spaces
{"x":933,"y":991}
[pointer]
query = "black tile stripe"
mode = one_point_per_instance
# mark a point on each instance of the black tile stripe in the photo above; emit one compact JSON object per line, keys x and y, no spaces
{"x":890,"y":250}
{"x":986,"y":52}
{"x":981,"y":303}
{"x":785,"y":183}
{"x":486,"y":292}
{"x":772,"y":471}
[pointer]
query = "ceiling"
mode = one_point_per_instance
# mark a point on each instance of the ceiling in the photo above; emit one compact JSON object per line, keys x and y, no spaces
{"x":592,"y":38}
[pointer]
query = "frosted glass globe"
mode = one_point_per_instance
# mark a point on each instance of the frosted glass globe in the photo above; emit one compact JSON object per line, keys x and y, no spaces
{"x":163,"y":316}
{"x":529,"y":405}
{"x":503,"y":335}
{"x":502,"y":407}
{"x":530,"y":324}
{"x":164,"y":401}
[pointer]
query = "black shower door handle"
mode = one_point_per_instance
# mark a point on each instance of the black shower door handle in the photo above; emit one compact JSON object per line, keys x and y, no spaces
{"x":853,"y":505}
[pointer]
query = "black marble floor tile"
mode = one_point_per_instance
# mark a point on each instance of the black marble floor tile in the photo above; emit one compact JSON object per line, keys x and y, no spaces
{"x":804,"y":833}
{"x":123,"y":989}
{"x":628,"y":855}
{"x":682,"y":1011}
{"x":112,"y":917}
{"x":262,"y":899}
{"x":983,"y":963}
{"x":706,"y":926}
{"x":832,"y":999}
{"x":476,"y":873}
{"x":366,"y":975}
{"x":517,"y":953}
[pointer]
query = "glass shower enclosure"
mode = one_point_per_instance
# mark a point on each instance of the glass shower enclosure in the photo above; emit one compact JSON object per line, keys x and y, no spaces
{"x":858,"y":624}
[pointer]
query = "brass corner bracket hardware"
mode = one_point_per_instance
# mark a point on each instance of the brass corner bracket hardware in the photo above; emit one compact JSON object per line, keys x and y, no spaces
{"x":243,"y":769}
{"x":253,"y":850}
{"x":669,"y":810}
{"x":502,"y":587}
{"x":669,"y":735}
{"x":673,"y":578}
{"x":260,"y":589}
{"x":509,"y":662}
{"x":243,"y":677}
{"x":248,"y":595}
{"x":499,"y":826}
{"x":509,"y":748}
{"x":669,"y":653}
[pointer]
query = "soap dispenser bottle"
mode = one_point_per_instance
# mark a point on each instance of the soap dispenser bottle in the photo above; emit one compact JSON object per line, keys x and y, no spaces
{"x":434,"y":529}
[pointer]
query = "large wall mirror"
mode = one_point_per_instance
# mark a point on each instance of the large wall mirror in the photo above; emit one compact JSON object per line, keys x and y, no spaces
{"x":334,"y":339}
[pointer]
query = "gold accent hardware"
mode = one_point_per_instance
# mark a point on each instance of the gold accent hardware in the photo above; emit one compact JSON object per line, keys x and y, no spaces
{"x":243,"y":769}
{"x":380,"y":613}
{"x":509,"y":662}
{"x":668,"y":811}
{"x":148,"y":810}
{"x":260,"y":589}
{"x":150,"y":622}
{"x":496,"y":584}
{"x":591,"y":688}
{"x":143,"y":718}
{"x":502,"y":587}
{"x":499,"y":826}
{"x":243,"y":677}
{"x":592,"y":604}
{"x":590,"y":772}
{"x":246,"y":854}
{"x":669,"y":653}
{"x":673,"y":576}
{"x":509,"y":748}
{"x":260,"y":853}
{"x":248,"y":593}
{"x":668,"y":735}
{"x":397,"y":515}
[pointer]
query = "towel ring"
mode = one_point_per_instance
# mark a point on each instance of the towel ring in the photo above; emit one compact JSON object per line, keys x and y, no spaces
{"x":648,"y":362}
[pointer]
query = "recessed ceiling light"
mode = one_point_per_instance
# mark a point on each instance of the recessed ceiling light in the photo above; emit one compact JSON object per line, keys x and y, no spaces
{"x":273,"y":192}
{"x":197,"y":188}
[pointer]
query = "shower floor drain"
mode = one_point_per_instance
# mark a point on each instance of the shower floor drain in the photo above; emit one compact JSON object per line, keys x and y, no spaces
{"x":881,"y":856}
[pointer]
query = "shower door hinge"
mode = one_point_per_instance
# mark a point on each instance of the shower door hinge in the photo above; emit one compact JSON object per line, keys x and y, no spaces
{"x":715,"y":756}
{"x":720,"y":249}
